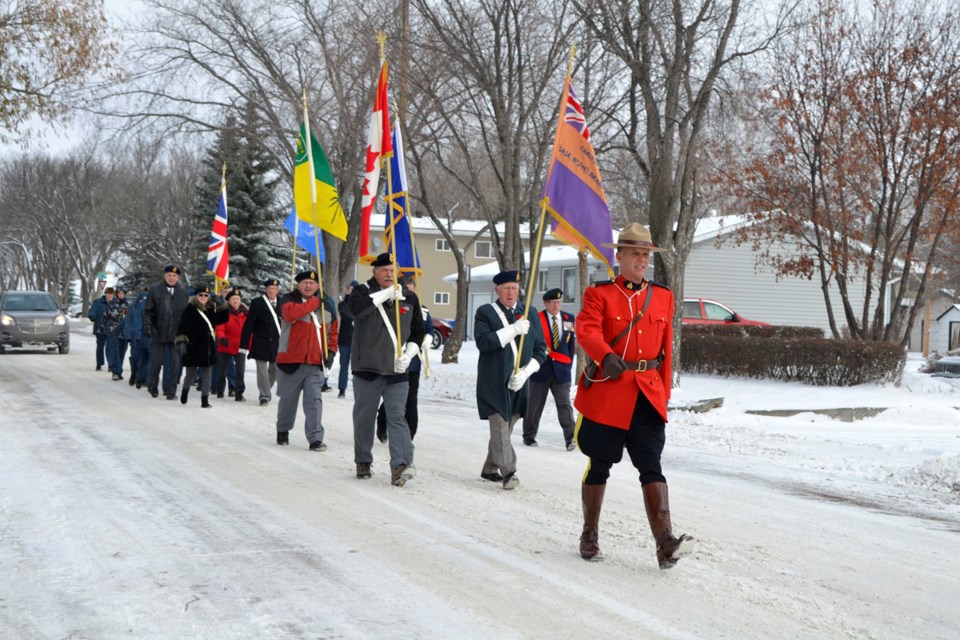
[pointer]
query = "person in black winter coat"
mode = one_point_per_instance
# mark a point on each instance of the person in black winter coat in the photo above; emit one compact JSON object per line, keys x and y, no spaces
{"x":198,"y":338}
{"x":97,"y":315}
{"x":345,"y":340}
{"x":261,"y":335}
{"x":161,"y":315}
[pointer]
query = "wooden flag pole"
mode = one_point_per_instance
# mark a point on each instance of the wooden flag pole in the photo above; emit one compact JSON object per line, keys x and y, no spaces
{"x":316,"y":231}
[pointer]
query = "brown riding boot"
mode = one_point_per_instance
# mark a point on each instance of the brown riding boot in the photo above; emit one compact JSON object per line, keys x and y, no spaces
{"x":592,"y":496}
{"x":669,"y":548}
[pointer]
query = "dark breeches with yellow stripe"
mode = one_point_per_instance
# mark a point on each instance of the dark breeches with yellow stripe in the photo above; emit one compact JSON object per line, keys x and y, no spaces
{"x":605,"y":444}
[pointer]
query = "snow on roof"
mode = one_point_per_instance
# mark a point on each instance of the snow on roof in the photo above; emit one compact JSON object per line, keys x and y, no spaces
{"x":951,"y":308}
{"x":549,"y":257}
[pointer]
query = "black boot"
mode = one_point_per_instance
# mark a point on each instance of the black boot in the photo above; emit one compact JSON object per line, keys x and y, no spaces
{"x":184,"y":394}
{"x":592,"y":497}
{"x":205,"y":402}
{"x":669,"y":548}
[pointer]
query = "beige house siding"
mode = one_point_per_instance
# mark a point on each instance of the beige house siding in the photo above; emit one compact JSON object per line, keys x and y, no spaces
{"x":436,"y":263}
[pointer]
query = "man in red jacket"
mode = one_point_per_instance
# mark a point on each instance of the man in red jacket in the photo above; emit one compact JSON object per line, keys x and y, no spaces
{"x":300,"y":359}
{"x":623,"y":404}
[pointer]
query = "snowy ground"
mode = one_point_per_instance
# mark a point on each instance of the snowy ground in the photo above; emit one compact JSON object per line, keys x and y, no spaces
{"x":122,"y":516}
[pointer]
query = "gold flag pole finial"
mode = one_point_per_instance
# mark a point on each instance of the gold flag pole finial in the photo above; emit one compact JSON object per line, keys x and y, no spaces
{"x":382,"y":41}
{"x":573,"y":52}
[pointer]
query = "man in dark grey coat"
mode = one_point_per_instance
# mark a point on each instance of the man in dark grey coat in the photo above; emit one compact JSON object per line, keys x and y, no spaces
{"x":378,"y":372}
{"x":502,"y":393}
{"x":161,"y":313}
{"x":261,"y":335}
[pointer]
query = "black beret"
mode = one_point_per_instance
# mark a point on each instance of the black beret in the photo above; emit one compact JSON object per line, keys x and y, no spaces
{"x":383,"y":260}
{"x":307,"y":275}
{"x":233,"y":292}
{"x":204,"y":288}
{"x":506,"y":276}
{"x":271,"y":282}
{"x":553,"y":294}
{"x":172,"y":268}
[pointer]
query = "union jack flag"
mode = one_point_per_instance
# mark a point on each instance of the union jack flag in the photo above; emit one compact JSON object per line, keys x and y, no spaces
{"x":573,"y":114}
{"x":218,"y":259}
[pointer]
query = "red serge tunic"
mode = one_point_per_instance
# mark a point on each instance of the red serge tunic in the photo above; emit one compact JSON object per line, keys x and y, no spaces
{"x":608,"y":308}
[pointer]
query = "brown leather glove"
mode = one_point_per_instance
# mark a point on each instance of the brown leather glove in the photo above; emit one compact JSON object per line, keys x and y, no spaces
{"x":612,"y":366}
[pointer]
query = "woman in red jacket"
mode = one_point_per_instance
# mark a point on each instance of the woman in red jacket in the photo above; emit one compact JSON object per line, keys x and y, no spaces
{"x":228,"y":347}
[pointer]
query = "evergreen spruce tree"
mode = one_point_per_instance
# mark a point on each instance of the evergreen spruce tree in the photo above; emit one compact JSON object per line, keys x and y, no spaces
{"x":258,"y":246}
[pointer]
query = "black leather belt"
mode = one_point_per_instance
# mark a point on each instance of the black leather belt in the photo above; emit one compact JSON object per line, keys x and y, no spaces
{"x":642,"y":365}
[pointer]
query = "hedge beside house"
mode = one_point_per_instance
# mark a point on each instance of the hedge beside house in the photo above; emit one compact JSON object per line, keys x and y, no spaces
{"x":818,"y":361}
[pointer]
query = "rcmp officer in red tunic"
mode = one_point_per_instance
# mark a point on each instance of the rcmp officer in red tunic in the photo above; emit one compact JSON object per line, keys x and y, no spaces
{"x":626,"y":327}
{"x":555,"y":376}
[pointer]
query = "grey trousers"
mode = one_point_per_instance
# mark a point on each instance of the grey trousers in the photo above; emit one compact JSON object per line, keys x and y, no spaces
{"x":190,"y":374}
{"x":307,"y":379}
{"x":538,"y":399}
{"x":366,"y":400}
{"x":266,"y":378}
{"x":500,"y":454}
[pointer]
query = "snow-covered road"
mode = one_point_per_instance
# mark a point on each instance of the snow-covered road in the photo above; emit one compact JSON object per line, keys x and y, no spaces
{"x":126,"y":516}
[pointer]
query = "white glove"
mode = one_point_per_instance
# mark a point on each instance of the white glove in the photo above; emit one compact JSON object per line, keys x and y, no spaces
{"x":511,"y":331}
{"x":243,"y":352}
{"x":390,"y":293}
{"x":519,"y":379}
{"x":401,"y":364}
{"x":427,"y":343}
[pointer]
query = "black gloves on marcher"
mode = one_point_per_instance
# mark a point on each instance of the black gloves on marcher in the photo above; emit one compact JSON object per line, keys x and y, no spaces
{"x":613,"y":366}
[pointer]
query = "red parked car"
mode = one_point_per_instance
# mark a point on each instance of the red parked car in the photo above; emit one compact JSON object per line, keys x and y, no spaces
{"x":704,"y":311}
{"x":441,"y":331}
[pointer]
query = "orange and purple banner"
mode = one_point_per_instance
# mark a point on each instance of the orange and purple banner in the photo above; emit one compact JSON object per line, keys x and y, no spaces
{"x":573,"y":192}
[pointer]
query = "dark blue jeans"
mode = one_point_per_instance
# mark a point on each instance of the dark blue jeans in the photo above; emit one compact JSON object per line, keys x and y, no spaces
{"x":344,"y":368}
{"x":101,"y":348}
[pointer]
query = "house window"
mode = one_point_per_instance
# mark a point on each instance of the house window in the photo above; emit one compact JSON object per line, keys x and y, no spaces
{"x":954,"y":336}
{"x":441,"y":297}
{"x":569,"y":284}
{"x":483,"y":249}
{"x":541,"y":281}
{"x":441,"y":244}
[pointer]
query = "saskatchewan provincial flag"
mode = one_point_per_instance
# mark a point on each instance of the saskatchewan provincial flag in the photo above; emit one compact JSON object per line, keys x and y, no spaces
{"x":396,"y":220}
{"x":317,"y":188}
{"x":573,"y":191}
{"x":303,"y":233}
{"x":218,"y":258}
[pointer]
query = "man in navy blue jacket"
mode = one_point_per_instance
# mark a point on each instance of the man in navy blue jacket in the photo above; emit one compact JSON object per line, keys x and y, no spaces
{"x":555,"y":376}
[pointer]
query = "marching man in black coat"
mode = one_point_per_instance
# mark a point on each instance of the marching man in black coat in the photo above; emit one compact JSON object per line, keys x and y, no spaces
{"x":198,"y":339}
{"x":555,"y":376}
{"x":501,"y":393}
{"x":261,"y":331}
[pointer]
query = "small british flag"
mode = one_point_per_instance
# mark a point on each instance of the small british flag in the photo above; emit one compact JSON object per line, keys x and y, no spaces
{"x":573,"y":114}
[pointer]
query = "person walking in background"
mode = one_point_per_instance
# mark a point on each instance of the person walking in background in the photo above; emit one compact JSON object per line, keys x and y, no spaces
{"x":300,"y":359}
{"x":378,"y":373}
{"x":330,"y":307}
{"x":556,"y":375}
{"x":501,"y":393}
{"x":626,"y":326}
{"x":139,"y":342}
{"x":96,"y":315}
{"x":162,"y":312}
{"x":228,"y":347}
{"x":261,"y":335}
{"x":413,"y":375}
{"x":345,"y":340}
{"x":122,"y":340}
{"x":113,"y":326}
{"x":197,"y":336}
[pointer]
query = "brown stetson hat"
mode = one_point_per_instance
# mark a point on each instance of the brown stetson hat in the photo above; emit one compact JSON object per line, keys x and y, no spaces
{"x":634,"y":235}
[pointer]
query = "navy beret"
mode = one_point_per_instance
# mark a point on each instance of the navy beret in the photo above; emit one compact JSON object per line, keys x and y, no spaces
{"x":307,"y":275}
{"x":506,"y":276}
{"x":553,"y":294}
{"x":271,"y":282}
{"x":172,"y":268}
{"x":383,"y":260}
